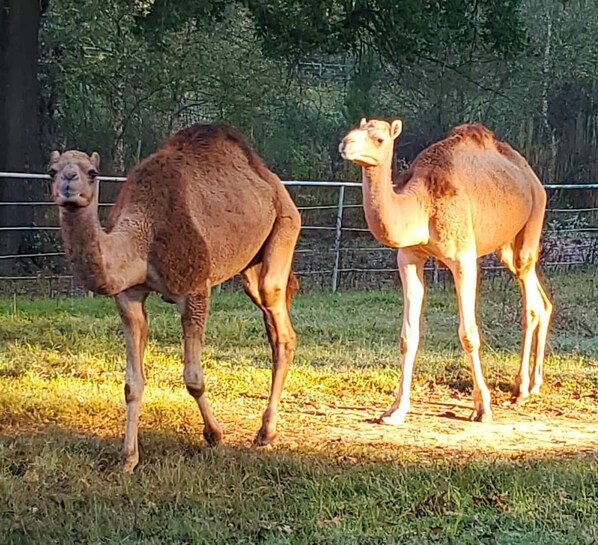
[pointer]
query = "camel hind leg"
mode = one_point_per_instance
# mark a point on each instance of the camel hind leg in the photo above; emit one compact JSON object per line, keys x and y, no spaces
{"x":521,"y":258}
{"x":268,"y":283}
{"x":194,"y":315}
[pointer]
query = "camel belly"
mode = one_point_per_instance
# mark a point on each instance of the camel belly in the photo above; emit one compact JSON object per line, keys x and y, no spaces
{"x":499,"y":214}
{"x":191,"y":254}
{"x":494,"y":236}
{"x":233,"y":247}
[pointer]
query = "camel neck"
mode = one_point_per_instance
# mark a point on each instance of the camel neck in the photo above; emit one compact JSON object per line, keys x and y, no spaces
{"x":396,"y":219}
{"x":106,"y":263}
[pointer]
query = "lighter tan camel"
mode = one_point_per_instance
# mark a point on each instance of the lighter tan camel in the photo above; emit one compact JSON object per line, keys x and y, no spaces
{"x":463,"y":197}
{"x":201,"y":209}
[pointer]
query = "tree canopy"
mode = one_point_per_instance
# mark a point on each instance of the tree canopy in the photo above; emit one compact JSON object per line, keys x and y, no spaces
{"x":118,"y":76}
{"x":399,"y":30}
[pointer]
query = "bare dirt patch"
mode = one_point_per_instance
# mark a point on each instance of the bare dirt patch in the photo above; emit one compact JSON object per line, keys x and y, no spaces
{"x":443,"y":426}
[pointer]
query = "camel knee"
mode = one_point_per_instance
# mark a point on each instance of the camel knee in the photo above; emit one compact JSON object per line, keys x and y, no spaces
{"x":537,"y":313}
{"x":286,"y":343}
{"x":531,"y":318}
{"x":470,"y":339}
{"x":134,"y":391}
{"x":272,"y":292}
{"x":290,"y":340}
{"x":525,"y":262}
{"x":194,"y":382}
{"x":409,"y":342}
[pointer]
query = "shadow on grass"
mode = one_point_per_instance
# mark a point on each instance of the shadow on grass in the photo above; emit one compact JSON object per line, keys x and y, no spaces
{"x":61,"y":486}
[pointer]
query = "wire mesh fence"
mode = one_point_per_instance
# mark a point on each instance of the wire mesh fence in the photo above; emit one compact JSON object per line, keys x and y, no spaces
{"x":335,"y":249}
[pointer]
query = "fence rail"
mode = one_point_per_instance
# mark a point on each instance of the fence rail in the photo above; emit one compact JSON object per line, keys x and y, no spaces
{"x":564,"y":236}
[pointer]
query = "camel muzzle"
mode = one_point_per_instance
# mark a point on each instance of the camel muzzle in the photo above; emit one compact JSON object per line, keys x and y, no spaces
{"x":342,"y":148}
{"x":71,"y":199}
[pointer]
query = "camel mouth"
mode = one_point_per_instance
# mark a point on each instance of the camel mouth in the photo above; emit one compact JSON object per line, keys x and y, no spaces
{"x":72,"y":202}
{"x":365,"y":161}
{"x":349,"y":154}
{"x":359,"y":159}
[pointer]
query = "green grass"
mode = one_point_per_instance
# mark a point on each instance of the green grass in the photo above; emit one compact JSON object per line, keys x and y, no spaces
{"x":62,"y":416}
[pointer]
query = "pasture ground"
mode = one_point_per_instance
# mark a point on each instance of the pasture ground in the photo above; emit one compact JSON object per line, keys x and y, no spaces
{"x":334,"y":476}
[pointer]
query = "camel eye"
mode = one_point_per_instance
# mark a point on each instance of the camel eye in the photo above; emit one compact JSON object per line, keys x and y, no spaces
{"x":52,"y":172}
{"x":92,"y":174}
{"x":379,"y":140}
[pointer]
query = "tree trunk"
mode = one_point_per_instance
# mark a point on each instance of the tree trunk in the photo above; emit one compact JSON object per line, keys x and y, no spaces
{"x":547,"y":80}
{"x":19,"y":122}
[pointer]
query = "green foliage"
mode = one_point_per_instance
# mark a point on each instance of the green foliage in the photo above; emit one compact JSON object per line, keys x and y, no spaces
{"x":294,"y":76}
{"x":399,"y":30}
{"x":114,"y":90}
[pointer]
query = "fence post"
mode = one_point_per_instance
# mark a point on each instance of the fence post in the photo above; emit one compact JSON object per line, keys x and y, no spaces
{"x":337,"y":237}
{"x":90,"y":293}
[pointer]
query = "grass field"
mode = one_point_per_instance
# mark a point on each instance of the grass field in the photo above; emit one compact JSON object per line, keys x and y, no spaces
{"x":334,"y":477}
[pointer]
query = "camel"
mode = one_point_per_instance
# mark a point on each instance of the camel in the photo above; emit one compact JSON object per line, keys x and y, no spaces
{"x":463,"y":197}
{"x":201,"y":209}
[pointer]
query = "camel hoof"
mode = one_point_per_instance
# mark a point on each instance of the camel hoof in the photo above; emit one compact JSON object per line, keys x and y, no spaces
{"x":481,"y":416}
{"x":520,"y":400}
{"x":212,"y":436}
{"x":535,"y":391}
{"x":264,"y":439}
{"x":129,"y":462}
{"x":393,"y":419}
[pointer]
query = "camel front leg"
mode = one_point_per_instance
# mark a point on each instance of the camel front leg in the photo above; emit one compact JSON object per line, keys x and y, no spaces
{"x":411,"y":271}
{"x":130,"y":305}
{"x":465,"y":273}
{"x":194,"y":314}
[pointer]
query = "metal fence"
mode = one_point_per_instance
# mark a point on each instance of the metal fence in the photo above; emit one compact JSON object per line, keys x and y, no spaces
{"x":335,"y":248}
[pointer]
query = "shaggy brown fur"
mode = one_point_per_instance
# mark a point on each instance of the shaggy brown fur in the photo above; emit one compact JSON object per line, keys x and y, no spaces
{"x":462,"y":197}
{"x":199,"y":210}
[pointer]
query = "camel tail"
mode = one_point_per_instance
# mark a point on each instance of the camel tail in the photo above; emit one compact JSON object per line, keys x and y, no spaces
{"x":292,"y":287}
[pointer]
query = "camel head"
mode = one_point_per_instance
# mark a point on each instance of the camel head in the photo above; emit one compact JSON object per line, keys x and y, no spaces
{"x":73,"y":177}
{"x":371,"y":143}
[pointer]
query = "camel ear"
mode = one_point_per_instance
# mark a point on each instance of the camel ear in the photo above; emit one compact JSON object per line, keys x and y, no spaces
{"x":396,"y":128}
{"x":363,"y":122}
{"x":95,"y":160}
{"x":54,"y":156}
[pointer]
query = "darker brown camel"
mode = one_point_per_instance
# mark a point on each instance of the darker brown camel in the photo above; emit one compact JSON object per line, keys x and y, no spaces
{"x":463,"y":197}
{"x":201,"y":209}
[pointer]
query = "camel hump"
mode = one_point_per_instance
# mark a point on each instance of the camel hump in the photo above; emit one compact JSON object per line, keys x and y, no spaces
{"x":475,"y":133}
{"x":435,"y":164}
{"x":484,"y":138}
{"x":200,"y":134}
{"x":207,"y":136}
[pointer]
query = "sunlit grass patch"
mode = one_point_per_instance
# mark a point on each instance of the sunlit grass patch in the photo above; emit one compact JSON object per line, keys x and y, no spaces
{"x":334,"y":477}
